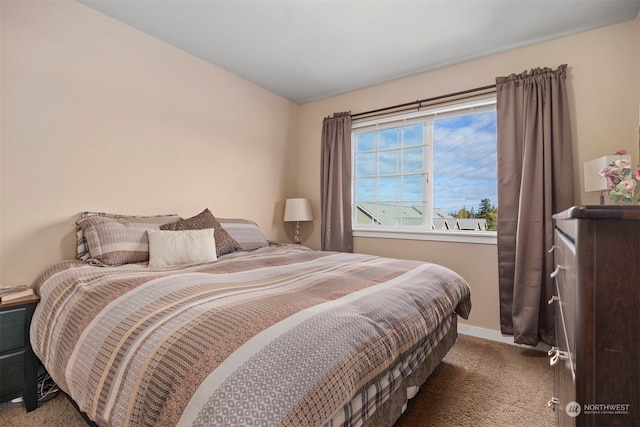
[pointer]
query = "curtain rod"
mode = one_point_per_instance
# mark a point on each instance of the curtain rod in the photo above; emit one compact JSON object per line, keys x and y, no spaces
{"x":419,"y":102}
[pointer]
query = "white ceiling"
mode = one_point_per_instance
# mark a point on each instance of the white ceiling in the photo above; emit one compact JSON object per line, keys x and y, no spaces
{"x":305,"y":50}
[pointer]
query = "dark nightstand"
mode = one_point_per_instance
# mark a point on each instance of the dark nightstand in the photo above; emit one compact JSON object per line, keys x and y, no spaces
{"x":18,"y":363}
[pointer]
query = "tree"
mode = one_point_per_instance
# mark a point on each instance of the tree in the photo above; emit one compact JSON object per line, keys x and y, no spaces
{"x":463,"y":213}
{"x":489,"y":212}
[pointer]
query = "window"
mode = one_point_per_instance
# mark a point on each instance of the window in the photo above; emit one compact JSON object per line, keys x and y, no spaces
{"x":432,"y":171}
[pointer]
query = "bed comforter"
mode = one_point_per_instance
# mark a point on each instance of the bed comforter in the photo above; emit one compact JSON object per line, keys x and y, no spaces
{"x":278,"y":336}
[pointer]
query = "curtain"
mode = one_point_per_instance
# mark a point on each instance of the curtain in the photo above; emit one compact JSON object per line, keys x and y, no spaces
{"x":335,"y":184}
{"x":535,"y":180}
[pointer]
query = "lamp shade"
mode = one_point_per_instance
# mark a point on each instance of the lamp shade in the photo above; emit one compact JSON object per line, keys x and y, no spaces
{"x":592,"y":168}
{"x":298,"y":209}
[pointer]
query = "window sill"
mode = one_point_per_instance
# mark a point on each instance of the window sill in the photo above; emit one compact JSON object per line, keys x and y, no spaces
{"x":480,"y":237}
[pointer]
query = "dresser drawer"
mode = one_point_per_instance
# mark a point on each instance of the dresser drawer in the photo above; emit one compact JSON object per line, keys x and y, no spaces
{"x":565,"y":279}
{"x":18,"y":363}
{"x":564,"y":386}
{"x":12,"y":375}
{"x":12,"y":333}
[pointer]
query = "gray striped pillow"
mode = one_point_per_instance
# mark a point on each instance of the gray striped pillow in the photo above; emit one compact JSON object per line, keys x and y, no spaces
{"x":119,"y":240}
{"x":245,"y":232}
{"x":81,"y":242}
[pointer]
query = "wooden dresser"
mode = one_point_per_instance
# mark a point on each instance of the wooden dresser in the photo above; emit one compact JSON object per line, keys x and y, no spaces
{"x":597,"y":298}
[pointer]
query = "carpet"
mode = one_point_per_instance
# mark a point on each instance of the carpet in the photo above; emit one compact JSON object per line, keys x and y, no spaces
{"x":479,"y":383}
{"x":483,"y":383}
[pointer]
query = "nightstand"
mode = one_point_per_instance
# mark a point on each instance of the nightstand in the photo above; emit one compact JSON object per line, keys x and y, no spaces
{"x":18,"y":363}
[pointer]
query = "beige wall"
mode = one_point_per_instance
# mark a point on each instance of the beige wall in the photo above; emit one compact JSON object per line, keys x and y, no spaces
{"x":604,"y":97}
{"x":99,"y":116}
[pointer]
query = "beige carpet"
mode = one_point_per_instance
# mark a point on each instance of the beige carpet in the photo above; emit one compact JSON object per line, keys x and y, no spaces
{"x":482,"y":383}
{"x":479,"y":383}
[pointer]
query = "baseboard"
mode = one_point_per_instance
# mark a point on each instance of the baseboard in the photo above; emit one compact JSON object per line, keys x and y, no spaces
{"x":492,"y":335}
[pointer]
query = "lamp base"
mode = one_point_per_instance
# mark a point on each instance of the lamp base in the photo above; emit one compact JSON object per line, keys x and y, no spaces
{"x":297,"y":237}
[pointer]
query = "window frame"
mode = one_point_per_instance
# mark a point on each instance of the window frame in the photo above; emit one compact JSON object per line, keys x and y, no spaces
{"x":422,"y":232}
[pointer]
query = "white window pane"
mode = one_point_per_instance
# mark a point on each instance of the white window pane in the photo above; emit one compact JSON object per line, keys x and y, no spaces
{"x":412,"y":135}
{"x":413,"y":189}
{"x":367,"y":213}
{"x":365,"y":142}
{"x":464,"y":162}
{"x":413,"y":161}
{"x":390,"y":162}
{"x":366,"y":164}
{"x":389,"y":189}
{"x":366,"y":189}
{"x":389,"y":138}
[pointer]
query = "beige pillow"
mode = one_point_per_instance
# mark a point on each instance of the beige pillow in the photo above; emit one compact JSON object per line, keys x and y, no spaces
{"x":172,"y":248}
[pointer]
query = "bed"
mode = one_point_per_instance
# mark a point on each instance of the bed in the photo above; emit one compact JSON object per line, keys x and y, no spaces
{"x":265,"y":334}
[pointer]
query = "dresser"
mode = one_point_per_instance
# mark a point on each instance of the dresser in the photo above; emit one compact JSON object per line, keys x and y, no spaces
{"x":18,"y":363}
{"x":596,"y":359}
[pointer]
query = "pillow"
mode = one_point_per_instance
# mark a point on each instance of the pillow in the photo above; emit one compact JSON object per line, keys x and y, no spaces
{"x":170,"y":248}
{"x":224,"y":243}
{"x":119,"y":240}
{"x":245,"y":232}
{"x":81,"y":241}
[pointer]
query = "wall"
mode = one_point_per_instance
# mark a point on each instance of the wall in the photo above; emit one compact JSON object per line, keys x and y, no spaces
{"x":604,"y":98}
{"x":99,"y":116}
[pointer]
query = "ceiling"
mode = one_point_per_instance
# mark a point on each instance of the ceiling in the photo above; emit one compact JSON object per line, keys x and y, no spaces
{"x":306,"y":50}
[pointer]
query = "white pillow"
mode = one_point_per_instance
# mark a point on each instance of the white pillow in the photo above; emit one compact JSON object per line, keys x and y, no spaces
{"x":169,"y":248}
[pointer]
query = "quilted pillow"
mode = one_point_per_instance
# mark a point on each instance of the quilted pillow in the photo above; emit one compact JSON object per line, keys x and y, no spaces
{"x":81,"y":242}
{"x":171,"y":248}
{"x":224,"y":242}
{"x":119,"y":240}
{"x":245,"y":232}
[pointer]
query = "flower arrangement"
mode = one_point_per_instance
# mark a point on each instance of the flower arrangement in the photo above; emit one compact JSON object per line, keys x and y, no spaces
{"x":623,"y":181}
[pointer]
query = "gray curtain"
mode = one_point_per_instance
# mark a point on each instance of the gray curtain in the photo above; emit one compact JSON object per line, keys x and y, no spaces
{"x":335,"y":189}
{"x":535,"y":180}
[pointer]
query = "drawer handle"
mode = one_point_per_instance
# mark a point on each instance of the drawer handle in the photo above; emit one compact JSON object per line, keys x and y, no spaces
{"x":553,"y":299}
{"x":556,"y":355}
{"x":553,"y":402}
{"x":557,"y":270}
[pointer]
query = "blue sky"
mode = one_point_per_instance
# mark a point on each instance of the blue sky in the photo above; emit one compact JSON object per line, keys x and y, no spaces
{"x":464,"y":157}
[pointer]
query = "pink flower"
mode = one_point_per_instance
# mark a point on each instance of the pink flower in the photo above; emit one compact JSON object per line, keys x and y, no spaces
{"x":629,"y":185}
{"x":604,"y":172}
{"x":623,"y":163}
{"x":620,"y":152}
{"x":638,"y":174}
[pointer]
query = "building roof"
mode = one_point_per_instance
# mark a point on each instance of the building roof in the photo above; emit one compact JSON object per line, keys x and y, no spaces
{"x":389,"y":214}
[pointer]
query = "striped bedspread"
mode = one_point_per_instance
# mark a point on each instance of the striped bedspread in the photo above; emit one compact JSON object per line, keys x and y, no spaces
{"x":278,"y":336}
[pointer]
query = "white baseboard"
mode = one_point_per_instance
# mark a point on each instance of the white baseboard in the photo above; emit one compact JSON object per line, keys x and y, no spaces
{"x":492,"y":335}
